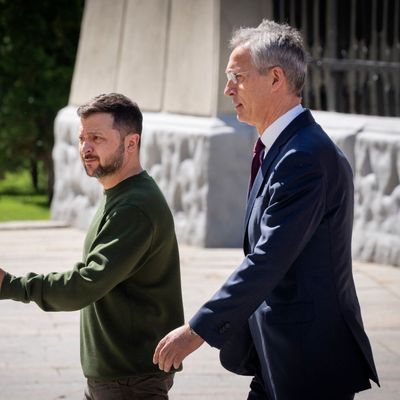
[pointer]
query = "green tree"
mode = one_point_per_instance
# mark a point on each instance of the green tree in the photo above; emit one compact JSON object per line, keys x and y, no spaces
{"x":38,"y":43}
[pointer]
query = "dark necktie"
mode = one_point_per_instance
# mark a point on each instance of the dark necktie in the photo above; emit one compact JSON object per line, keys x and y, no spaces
{"x":258,"y":153}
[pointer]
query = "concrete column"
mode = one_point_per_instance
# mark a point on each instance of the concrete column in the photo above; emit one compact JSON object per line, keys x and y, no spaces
{"x":168,"y":55}
{"x":96,"y":65}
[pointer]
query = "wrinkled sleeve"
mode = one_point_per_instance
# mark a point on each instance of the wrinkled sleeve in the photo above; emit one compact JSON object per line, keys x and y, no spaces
{"x":117,"y":252}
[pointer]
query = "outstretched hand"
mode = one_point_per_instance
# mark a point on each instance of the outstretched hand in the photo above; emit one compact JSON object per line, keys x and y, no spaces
{"x":175,"y":347}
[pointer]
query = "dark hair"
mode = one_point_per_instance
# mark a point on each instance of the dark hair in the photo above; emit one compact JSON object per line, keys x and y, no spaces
{"x":127,"y":116}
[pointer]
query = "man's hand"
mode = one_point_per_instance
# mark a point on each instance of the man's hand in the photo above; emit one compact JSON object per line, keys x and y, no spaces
{"x":176,"y":346}
{"x":2,"y":274}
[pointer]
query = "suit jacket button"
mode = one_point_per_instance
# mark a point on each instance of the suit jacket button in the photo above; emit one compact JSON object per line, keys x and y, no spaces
{"x":224,"y":327}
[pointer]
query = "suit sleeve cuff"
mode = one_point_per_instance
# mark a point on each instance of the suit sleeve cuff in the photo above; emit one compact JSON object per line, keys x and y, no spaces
{"x":204,"y":328}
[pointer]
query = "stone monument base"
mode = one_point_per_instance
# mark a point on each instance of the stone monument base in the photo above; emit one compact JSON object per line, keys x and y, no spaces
{"x":201,"y":165}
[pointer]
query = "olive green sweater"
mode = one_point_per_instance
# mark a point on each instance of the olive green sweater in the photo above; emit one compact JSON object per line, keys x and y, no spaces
{"x":128,"y":286}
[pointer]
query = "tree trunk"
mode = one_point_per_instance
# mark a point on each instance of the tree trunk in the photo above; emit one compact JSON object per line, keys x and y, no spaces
{"x":34,"y":174}
{"x":49,"y":167}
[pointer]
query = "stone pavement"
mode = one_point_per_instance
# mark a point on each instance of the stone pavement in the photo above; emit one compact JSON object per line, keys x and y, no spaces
{"x":39,"y":352}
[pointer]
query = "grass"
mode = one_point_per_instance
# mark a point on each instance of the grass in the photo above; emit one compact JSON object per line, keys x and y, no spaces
{"x":19,"y":201}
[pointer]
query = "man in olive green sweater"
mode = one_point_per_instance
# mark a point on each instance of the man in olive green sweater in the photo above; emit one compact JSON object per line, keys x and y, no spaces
{"x":128,"y":285}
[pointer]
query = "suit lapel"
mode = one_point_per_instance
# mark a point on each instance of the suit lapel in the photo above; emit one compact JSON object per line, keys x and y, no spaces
{"x":302,"y":120}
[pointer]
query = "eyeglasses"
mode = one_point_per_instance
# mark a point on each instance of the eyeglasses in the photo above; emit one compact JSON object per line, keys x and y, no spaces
{"x":235,"y":77}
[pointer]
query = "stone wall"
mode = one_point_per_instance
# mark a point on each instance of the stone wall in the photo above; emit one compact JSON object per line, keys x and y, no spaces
{"x":201,"y":167}
{"x":372,"y":145}
{"x":197,"y":162}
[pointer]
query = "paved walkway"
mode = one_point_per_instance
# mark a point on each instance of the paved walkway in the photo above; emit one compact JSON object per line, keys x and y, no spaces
{"x":39,"y":352}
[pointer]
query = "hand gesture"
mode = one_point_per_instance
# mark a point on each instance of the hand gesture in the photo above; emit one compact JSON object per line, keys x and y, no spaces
{"x":175,"y":347}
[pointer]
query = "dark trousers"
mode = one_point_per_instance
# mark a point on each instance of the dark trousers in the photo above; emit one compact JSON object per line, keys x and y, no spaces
{"x":257,"y":392}
{"x":146,"y":387}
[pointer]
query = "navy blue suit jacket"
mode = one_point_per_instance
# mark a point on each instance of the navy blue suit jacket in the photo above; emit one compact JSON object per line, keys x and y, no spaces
{"x":289,"y":313}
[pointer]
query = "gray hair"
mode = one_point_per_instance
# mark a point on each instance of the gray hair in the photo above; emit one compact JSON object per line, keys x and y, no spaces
{"x":272,"y":44}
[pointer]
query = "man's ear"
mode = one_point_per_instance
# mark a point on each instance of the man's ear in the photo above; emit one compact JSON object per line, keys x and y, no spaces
{"x":132,"y":141}
{"x":278,"y":78}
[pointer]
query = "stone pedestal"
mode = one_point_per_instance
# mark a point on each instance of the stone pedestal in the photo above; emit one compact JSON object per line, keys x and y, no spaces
{"x":200,"y":164}
{"x":170,"y":57}
{"x":377,"y":211}
{"x":202,"y":167}
{"x":372,"y":145}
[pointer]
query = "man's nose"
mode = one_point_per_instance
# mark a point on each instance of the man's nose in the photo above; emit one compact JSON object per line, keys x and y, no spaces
{"x":229,"y":88}
{"x":86,"y":147}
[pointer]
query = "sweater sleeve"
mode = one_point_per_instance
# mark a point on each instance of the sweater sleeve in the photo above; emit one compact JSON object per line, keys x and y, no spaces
{"x":117,"y":252}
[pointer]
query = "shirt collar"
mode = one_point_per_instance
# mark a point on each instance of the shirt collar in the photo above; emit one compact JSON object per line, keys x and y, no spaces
{"x":272,"y":132}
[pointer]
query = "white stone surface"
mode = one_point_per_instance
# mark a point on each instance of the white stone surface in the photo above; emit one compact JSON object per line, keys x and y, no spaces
{"x":96,"y":65}
{"x":372,"y":145}
{"x":377,"y":208}
{"x":197,"y":162}
{"x":168,"y":55}
{"x":192,"y":22}
{"x":201,"y":167}
{"x":141,"y":68}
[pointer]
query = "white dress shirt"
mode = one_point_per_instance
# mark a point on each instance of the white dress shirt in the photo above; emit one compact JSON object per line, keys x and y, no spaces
{"x":270,"y":134}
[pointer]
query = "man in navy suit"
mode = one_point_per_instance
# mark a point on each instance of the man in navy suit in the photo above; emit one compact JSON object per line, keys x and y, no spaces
{"x":289,"y":314}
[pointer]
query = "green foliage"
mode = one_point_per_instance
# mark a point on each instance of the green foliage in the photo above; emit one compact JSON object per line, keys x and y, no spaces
{"x":38,"y":42}
{"x":20,"y":184}
{"x":23,"y":208}
{"x":20,"y":201}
